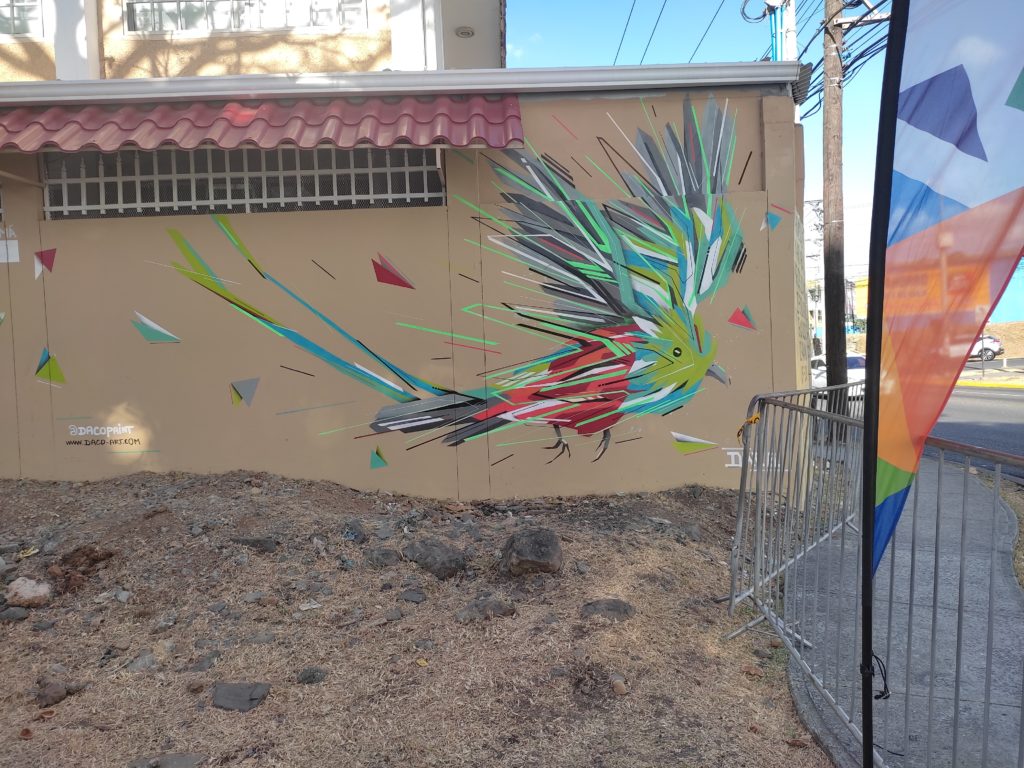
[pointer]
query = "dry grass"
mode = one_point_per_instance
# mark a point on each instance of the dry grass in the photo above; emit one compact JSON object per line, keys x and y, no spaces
{"x":528,"y":690}
{"x":1013,"y":494}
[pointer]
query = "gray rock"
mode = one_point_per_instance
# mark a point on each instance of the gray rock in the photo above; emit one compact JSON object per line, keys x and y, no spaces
{"x":346,"y":563}
{"x":28,"y":593}
{"x":424,"y":645}
{"x":253,"y":597}
{"x":609,"y":608}
{"x":122,"y":595}
{"x":9,"y":548}
{"x":50,"y":547}
{"x":484,"y":608}
{"x":395,"y":614}
{"x":166,"y":622}
{"x":173,"y":760}
{"x":51,"y":692}
{"x":262,"y":638}
{"x":383,"y":558}
{"x":206,"y":662}
{"x":217,"y":607}
{"x":312,"y":676}
{"x":239,"y":697}
{"x":43,"y":626}
{"x":2,"y":562}
{"x":13,"y":614}
{"x":582,"y":567}
{"x":354,"y":532}
{"x":413,"y":596}
{"x":265,"y":544}
{"x":535,"y":550}
{"x":434,"y":556}
{"x":762,"y":653}
{"x":197,"y":530}
{"x":692,"y":531}
{"x":384,"y":531}
{"x":144,"y":662}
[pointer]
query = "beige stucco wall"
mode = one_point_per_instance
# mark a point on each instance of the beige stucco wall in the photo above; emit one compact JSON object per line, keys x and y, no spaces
{"x":26,"y":60}
{"x":316,"y":424}
{"x":127,"y":54}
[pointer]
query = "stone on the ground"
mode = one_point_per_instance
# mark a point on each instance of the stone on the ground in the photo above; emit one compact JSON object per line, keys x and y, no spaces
{"x":484,"y":608}
{"x":175,"y":760}
{"x":762,"y":653}
{"x":13,"y":614}
{"x":395,"y":614}
{"x":27,"y":593}
{"x":144,"y":662}
{"x":165,"y":622}
{"x":692,"y":531}
{"x":382,"y":557}
{"x":536,"y":550}
{"x":436,"y":557}
{"x":412,"y":596}
{"x":312,"y":676}
{"x":50,"y":692}
{"x":424,"y":645}
{"x":609,"y":608}
{"x":206,"y":662}
{"x":217,"y":607}
{"x":43,"y":625}
{"x":354,"y":532}
{"x":265,"y":544}
{"x":239,"y":697}
{"x":253,"y":597}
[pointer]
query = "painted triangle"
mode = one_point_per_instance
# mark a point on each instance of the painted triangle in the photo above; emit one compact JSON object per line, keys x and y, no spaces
{"x":387,"y":273}
{"x":51,"y":372}
{"x":235,"y":397}
{"x":153,"y":333}
{"x":245,"y":389}
{"x":741,"y":318}
{"x":772,"y":220}
{"x":688,"y":444}
{"x":377,"y":460}
{"x":46,"y":258}
{"x":42,"y":359}
{"x":1016,"y":99}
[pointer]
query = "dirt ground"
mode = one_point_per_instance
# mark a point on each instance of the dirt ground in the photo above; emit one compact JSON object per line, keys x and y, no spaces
{"x":412,"y":686}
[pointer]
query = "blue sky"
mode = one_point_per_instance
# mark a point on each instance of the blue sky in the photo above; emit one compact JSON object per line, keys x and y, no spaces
{"x":553,"y":33}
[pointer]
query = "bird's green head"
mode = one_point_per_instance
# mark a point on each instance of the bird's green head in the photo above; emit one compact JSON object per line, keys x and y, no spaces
{"x":674,"y":353}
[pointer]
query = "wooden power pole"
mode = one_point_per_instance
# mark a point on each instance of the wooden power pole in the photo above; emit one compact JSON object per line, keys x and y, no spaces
{"x":832,"y":182}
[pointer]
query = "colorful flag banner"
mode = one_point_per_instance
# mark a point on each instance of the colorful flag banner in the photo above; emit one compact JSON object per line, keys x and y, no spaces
{"x":956,"y":220}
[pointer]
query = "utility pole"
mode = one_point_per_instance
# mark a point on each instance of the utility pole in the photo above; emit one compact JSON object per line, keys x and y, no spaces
{"x":832,"y":178}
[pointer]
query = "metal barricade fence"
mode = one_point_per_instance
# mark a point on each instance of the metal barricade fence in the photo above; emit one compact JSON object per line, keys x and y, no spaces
{"x":948,"y":608}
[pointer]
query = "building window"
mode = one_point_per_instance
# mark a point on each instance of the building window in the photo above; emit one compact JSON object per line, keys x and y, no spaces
{"x":242,"y":15}
{"x":21,"y":17}
{"x":167,"y":182}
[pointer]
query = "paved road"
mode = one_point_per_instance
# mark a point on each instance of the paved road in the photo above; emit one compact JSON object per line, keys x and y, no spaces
{"x":991,"y":418}
{"x":1011,"y":362}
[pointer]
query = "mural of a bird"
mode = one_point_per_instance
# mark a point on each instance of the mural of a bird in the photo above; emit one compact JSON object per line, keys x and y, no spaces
{"x":622,"y":281}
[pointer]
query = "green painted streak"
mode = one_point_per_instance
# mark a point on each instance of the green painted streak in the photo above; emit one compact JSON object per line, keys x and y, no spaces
{"x":521,"y":182}
{"x":490,"y":319}
{"x":604,"y":173}
{"x":464,"y":156}
{"x":229,"y":231}
{"x":447,"y":333}
{"x":481,"y":211}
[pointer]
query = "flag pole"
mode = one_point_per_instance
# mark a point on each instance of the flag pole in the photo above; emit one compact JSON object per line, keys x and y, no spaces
{"x":876,"y":292}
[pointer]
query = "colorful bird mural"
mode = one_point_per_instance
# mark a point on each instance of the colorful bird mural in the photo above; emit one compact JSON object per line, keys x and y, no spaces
{"x":623,"y":283}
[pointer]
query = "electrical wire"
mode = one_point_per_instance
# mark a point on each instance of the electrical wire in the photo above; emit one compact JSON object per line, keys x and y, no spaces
{"x":752,"y":19}
{"x":654,"y":29}
{"x":621,"y":39}
{"x":707,"y":29}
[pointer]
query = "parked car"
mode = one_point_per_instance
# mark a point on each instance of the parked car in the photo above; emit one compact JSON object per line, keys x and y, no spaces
{"x":856,"y":369}
{"x":987,"y":347}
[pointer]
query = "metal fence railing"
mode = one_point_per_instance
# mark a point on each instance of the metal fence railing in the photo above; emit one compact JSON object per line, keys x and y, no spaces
{"x":948,"y":611}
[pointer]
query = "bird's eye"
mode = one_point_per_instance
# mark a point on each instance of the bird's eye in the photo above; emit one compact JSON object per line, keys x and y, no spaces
{"x":677,"y":352}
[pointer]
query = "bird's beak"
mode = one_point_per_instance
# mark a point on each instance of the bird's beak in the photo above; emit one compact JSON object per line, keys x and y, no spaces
{"x":718,"y":372}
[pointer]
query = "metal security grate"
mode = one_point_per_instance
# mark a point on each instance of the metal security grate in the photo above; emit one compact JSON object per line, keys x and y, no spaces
{"x":243,"y":15}
{"x":166,"y":182}
{"x":21,"y":17}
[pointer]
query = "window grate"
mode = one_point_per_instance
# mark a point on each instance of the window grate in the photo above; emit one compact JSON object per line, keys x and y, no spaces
{"x":242,"y":15}
{"x":166,"y":182}
{"x":21,"y":17}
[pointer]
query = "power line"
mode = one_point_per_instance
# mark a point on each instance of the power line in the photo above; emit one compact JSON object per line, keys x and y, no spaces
{"x":657,"y":21}
{"x":708,"y":29}
{"x":621,"y":39}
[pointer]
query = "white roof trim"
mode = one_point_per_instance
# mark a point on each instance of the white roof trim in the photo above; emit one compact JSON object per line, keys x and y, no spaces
{"x":561,"y":80}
